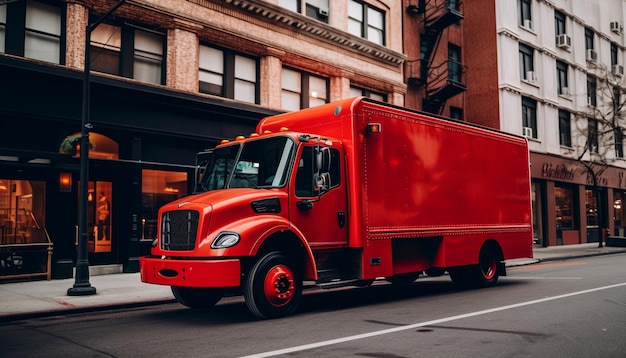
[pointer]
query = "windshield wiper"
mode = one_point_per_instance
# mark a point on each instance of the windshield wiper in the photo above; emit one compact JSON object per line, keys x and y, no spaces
{"x":243,"y":176}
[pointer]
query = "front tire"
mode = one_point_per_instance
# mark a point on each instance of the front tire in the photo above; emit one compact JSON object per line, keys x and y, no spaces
{"x":193,"y":297}
{"x":272,"y":288}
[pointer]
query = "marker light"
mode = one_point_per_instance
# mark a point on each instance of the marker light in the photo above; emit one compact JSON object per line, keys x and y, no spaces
{"x":224,"y":141}
{"x":240,"y":137}
{"x":374,"y":128}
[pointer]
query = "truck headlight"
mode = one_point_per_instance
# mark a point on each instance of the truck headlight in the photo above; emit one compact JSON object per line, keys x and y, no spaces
{"x":225,"y":239}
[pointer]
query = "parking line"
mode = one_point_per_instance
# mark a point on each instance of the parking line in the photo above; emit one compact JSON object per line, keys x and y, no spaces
{"x":422,"y":324}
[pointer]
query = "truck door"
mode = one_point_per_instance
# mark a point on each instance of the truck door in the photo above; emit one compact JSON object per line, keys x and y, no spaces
{"x":319,"y":213}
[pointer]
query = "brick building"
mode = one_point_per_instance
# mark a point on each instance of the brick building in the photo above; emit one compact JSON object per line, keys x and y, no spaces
{"x":170,"y":78}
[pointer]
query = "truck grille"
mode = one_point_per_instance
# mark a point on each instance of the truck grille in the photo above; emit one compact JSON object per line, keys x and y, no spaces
{"x":178,"y":230}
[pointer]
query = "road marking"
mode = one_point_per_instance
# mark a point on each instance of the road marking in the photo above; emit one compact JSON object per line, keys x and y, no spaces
{"x":544,"y":278}
{"x":422,"y":324}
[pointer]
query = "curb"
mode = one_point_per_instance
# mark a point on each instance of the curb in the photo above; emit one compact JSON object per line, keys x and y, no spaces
{"x":78,"y":310}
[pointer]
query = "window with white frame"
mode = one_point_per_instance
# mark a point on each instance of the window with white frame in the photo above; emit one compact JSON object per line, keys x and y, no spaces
{"x":592,"y":135}
{"x":36,"y":30}
{"x":302,"y":90}
{"x":619,"y":142}
{"x":529,"y":117}
{"x":526,"y":61}
{"x":228,"y":74}
{"x":524,"y":15}
{"x":592,"y":90}
{"x":562,"y":80}
{"x":589,"y":37}
{"x":366,"y":21}
{"x":559,"y":23}
{"x":316,"y":9}
{"x":128,"y":51}
{"x":565,"y":129}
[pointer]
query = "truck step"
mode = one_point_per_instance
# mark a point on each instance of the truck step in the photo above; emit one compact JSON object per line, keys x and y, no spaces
{"x":339,"y":283}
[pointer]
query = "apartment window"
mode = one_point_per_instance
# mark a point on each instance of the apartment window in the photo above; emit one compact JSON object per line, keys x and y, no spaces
{"x":592,"y":135}
{"x":617,"y":101}
{"x":455,"y":67}
{"x":614,"y":54}
{"x":526,"y":60}
{"x":34,"y":30}
{"x":293,"y":5}
{"x":366,"y":21}
{"x":589,"y":36}
{"x":591,"y":91}
{"x":524,"y":16}
{"x":456,"y":113}
{"x":228,"y":74}
{"x":561,"y":73}
{"x":565,"y":131}
{"x":302,"y":90}
{"x":128,"y":51}
{"x":357,"y":92}
{"x":619,"y":142}
{"x":559,"y":23}
{"x":529,"y":117}
{"x":316,"y":9}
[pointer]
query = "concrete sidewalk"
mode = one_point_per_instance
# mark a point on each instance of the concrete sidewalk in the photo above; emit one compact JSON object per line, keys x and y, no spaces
{"x":46,"y":298}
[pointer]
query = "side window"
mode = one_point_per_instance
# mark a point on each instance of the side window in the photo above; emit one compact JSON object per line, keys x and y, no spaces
{"x":305,"y":181}
{"x":304,"y":174}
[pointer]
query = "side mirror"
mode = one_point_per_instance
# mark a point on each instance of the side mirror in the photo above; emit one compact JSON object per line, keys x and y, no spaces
{"x":322,"y":160}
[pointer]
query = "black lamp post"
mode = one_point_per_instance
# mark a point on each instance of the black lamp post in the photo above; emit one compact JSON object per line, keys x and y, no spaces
{"x":82,"y":287}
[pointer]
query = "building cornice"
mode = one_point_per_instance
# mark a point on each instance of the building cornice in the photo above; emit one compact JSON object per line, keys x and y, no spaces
{"x":280,"y":16}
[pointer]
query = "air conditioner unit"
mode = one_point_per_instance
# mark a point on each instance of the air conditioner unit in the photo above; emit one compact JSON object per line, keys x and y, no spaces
{"x":530,"y":77}
{"x":618,"y":70}
{"x":323,"y":11}
{"x":564,"y":91}
{"x":563,"y":41}
{"x":528,"y":24}
{"x":616,"y":27}
{"x":528,"y":132}
{"x":592,"y":55}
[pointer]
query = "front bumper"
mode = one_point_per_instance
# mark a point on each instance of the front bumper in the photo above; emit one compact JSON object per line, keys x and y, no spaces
{"x":191,"y":273}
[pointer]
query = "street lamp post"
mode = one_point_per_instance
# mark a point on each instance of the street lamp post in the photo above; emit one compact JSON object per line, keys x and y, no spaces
{"x":82,"y":287}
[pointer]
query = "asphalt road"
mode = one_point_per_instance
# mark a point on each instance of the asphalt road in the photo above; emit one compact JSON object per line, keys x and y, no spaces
{"x":557,"y":309}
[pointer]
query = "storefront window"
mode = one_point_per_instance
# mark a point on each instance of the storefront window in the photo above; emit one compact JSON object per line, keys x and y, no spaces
{"x":591,"y":208}
{"x":158,"y":188}
{"x":100,"y":210}
{"x":618,"y":213}
{"x":564,"y":208}
{"x":537,"y":215}
{"x":22,"y":212}
{"x":24,"y":240}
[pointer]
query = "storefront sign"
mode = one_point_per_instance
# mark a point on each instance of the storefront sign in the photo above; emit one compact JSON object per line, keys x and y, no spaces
{"x":557,"y":172}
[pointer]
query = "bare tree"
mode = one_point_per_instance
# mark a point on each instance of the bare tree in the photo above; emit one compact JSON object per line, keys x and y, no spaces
{"x":599,"y":142}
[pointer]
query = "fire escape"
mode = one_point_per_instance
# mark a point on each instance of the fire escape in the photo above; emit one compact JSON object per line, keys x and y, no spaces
{"x":445,"y":79}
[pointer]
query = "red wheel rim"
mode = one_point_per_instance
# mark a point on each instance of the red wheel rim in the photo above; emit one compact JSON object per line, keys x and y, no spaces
{"x":279,"y":285}
{"x":489,"y":266}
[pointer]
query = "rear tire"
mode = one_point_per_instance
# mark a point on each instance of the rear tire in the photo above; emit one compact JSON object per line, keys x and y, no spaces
{"x":193,"y":297}
{"x":485,"y":274}
{"x":272,"y":288}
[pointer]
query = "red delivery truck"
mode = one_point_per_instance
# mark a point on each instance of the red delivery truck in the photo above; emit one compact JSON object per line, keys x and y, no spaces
{"x":340,"y":195}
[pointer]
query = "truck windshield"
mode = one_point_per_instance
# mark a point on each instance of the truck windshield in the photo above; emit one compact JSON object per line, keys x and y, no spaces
{"x":252,"y":164}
